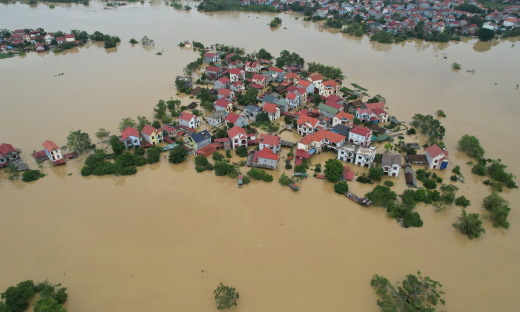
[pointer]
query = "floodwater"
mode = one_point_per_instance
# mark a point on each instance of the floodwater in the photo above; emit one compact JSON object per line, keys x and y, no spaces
{"x":163,"y":239}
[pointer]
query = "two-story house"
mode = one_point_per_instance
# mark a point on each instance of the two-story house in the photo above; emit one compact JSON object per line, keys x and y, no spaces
{"x":360,"y":135}
{"x":214,"y":70}
{"x":236,"y":74}
{"x":272,"y":142}
{"x":223,"y":105}
{"x":151,"y":135}
{"x":53,"y":152}
{"x":225,"y":94}
{"x":250,"y":111}
{"x":365,"y":156}
{"x":217,"y":118}
{"x":436,"y":157}
{"x":273,"y":112}
{"x":189,"y":120}
{"x":239,"y":137}
{"x":329,"y":87}
{"x":391,"y":164}
{"x":260,"y":80}
{"x":7,"y":154}
{"x":211,"y":57}
{"x":307,"y":85}
{"x":199,"y":140}
{"x":307,"y":125}
{"x":131,"y":138}
{"x":222,"y":82}
{"x":237,"y":119}
{"x":342,"y":118}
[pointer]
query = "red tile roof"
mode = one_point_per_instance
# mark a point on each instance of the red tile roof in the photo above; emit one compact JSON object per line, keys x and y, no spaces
{"x":129,"y":131}
{"x":233,"y":132}
{"x":224,"y":80}
{"x":375,"y":105}
{"x":364,"y":131}
{"x":259,"y":77}
{"x":291,"y":96}
{"x":291,"y":88}
{"x":303,"y":119}
{"x":49,"y":146}
{"x":266,"y":153}
{"x":304,"y":83}
{"x":270,"y":139}
{"x":148,"y":130}
{"x":316,"y":77}
{"x":70,"y":36}
{"x":224,"y":91}
{"x":235,"y":71}
{"x":330,"y":83}
{"x":232,"y":118}
{"x":333,"y":104}
{"x":270,"y":108}
{"x":222,"y":103}
{"x":435,"y":151}
{"x":238,"y":83}
{"x":343,"y":115}
{"x":278,"y":70}
{"x":378,"y":111}
{"x":215,"y":69}
{"x":5,"y":148}
{"x":186,"y":116}
{"x":209,"y":54}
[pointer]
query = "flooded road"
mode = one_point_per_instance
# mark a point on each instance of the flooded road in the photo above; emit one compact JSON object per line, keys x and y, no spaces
{"x":141,"y":243}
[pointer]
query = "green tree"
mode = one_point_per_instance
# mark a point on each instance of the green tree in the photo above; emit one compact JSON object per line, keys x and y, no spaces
{"x":448,"y":193}
{"x":462,"y":202}
{"x":415,"y":293}
{"x":388,"y":146}
{"x":177,"y":155}
{"x":498,"y":209}
{"x":471,"y":146}
{"x":117,"y":146}
{"x":341,"y":187}
{"x":127,"y":122}
{"x":470,"y":224}
{"x":141,"y":122}
{"x":225,"y":296}
{"x":31,"y":175}
{"x":381,"y":196}
{"x":47,"y":304}
{"x":241,"y":151}
{"x":217,"y":156}
{"x":333,"y":170}
{"x":430,"y":184}
{"x":16,"y":297}
{"x":285,"y":180}
{"x":317,"y":99}
{"x":376,"y":173}
{"x":79,"y":141}
{"x":262,"y":117}
{"x":455,"y":66}
{"x":486,"y":34}
{"x":263,"y":54}
{"x":201,"y":160}
{"x":153,"y":154}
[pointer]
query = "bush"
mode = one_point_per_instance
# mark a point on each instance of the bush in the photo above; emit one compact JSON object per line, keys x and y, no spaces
{"x":177,"y":155}
{"x":300,"y":168}
{"x":201,"y":161}
{"x":364,"y":179}
{"x":31,"y":175}
{"x":376,"y":173}
{"x":381,"y":196}
{"x":388,"y":183}
{"x":333,"y":170}
{"x":439,"y":180}
{"x":462,"y":202}
{"x":411,"y":131}
{"x":139,"y":151}
{"x":288,"y":166}
{"x":153,"y":154}
{"x":241,"y":151}
{"x":218,"y":156}
{"x":267,"y":178}
{"x":455,"y":66}
{"x":471,"y":146}
{"x":228,"y":153}
{"x":454,"y":178}
{"x":341,"y":187}
{"x":456,"y":169}
{"x":479,"y":169}
{"x":199,"y":169}
{"x":285,"y":180}
{"x":317,"y":168}
{"x":128,"y":171}
{"x":470,"y":224}
{"x":86,"y":171}
{"x":498,"y":209}
{"x":430,"y":184}
{"x":208,"y":166}
{"x":441,"y":113}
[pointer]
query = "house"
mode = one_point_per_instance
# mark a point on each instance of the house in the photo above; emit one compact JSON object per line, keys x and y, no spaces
{"x":342,"y":118}
{"x":217,"y":118}
{"x":187,"y":81}
{"x":260,"y":80}
{"x":307,"y":125}
{"x":151,"y":135}
{"x":510,"y":22}
{"x":189,"y":120}
{"x":223,"y":105}
{"x":238,"y":137}
{"x":365,"y":156}
{"x":360,"y":135}
{"x":371,"y":106}
{"x":253,"y":67}
{"x":272,"y":142}
{"x":273,"y":112}
{"x":199,"y":140}
{"x":265,"y":158}
{"x":292,"y":99}
{"x":391,"y":164}
{"x":382,"y":116}
{"x":237,"y":120}
{"x":211,"y":57}
{"x":7,"y":154}
{"x":236,"y":74}
{"x":316,"y":80}
{"x":329,"y":110}
{"x":48,"y":38}
{"x":291,"y":78}
{"x":341,"y":129}
{"x":315,"y":142}
{"x":70,"y":38}
{"x":170,"y":132}
{"x":366,"y":115}
{"x":309,"y":86}
{"x":329,"y":87}
{"x":437,"y":157}
{"x":226,"y":94}
{"x":53,"y":152}
{"x":277,"y":73}
{"x":250,"y":111}
{"x":131,"y":137}
{"x":214,"y":70}
{"x":223,"y":82}
{"x":39,"y":47}
{"x":347,"y":152}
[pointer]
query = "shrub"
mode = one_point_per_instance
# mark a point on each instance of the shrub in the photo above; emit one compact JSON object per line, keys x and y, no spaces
{"x":470,"y":224}
{"x":317,"y":168}
{"x":177,"y":155}
{"x":364,"y":179}
{"x":285,"y":180}
{"x":454,"y":178}
{"x":376,"y":173}
{"x":86,"y":171}
{"x":128,"y":171}
{"x":208,"y":166}
{"x":201,"y":161}
{"x":333,"y":170}
{"x":439,"y":180}
{"x":462,"y":202}
{"x":267,"y":178}
{"x":218,"y":156}
{"x":471,"y":146}
{"x":199,"y":169}
{"x":455,"y":66}
{"x":479,"y":169}
{"x":241,"y":151}
{"x":411,"y":131}
{"x":341,"y":187}
{"x":228,"y":153}
{"x":456,"y":169}
{"x":388,"y":183}
{"x":139,"y":151}
{"x":381,"y":196}
{"x":441,"y":113}
{"x":31,"y":175}
{"x":430,"y":184}
{"x":300,"y":168}
{"x":288,"y":166}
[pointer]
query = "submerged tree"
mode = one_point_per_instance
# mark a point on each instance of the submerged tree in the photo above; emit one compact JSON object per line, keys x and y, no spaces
{"x":225,"y":296}
{"x":147,"y":41}
{"x":470,"y":224}
{"x":415,"y":293}
{"x":79,"y":141}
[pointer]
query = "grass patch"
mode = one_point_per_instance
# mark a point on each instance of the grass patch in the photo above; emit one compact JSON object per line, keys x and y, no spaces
{"x":355,"y":85}
{"x":6,"y":55}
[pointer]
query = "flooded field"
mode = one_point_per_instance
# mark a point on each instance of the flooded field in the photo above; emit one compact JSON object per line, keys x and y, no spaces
{"x":163,"y":239}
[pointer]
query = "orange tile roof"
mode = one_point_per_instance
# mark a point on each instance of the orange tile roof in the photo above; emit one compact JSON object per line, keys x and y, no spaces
{"x":343,"y":115}
{"x":316,"y":77}
{"x":270,"y":108}
{"x":49,"y":146}
{"x":303,"y":119}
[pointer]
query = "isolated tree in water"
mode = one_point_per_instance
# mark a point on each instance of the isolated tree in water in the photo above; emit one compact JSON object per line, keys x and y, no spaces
{"x":225,"y":296}
{"x":415,"y":293}
{"x":147,"y":41}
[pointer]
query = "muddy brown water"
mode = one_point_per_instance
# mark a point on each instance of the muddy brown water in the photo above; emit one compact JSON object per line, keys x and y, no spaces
{"x":163,"y":239}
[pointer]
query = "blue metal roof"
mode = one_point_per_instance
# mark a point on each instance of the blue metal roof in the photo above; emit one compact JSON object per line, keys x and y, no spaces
{"x":312,"y":151}
{"x":200,"y":136}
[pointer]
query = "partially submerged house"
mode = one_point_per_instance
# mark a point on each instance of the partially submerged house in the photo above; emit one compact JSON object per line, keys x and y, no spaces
{"x":391,"y":164}
{"x":237,"y":119}
{"x":239,"y":137}
{"x":53,"y":152}
{"x":217,"y":118}
{"x":151,"y":135}
{"x":265,"y":158}
{"x":250,"y":111}
{"x":189,"y":120}
{"x":360,"y":136}
{"x":7,"y":154}
{"x":199,"y":140}
{"x":437,"y":157}
{"x":273,"y":112}
{"x":272,"y":142}
{"x":307,"y":125}
{"x":131,"y":137}
{"x":365,"y":156}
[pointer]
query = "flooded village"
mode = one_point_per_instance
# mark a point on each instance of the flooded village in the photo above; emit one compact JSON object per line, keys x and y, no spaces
{"x":184,"y":224}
